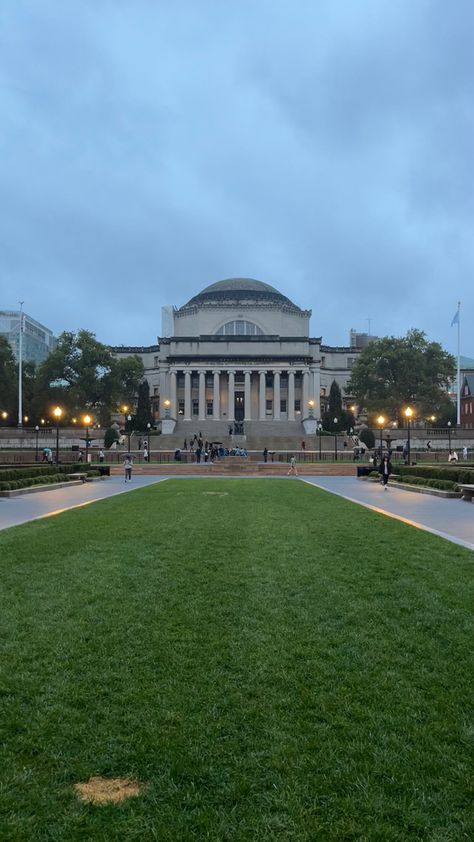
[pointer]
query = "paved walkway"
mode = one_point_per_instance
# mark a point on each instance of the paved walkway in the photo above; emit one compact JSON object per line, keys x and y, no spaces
{"x":16,"y":510}
{"x":451,"y":519}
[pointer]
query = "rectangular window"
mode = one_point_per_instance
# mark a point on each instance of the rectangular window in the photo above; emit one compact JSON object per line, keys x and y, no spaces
{"x":269,"y":380}
{"x":323,"y":362}
{"x":195,"y":407}
{"x":350,"y":362}
{"x":156,"y":390}
{"x":297,"y":405}
{"x":209,"y":381}
{"x":210,"y":407}
{"x":156,"y":362}
{"x":322,"y":391}
{"x":283,"y":405}
{"x":269,"y":405}
{"x":180,"y":407}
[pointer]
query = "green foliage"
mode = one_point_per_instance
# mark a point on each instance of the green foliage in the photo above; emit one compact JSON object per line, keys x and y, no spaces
{"x":442,"y":484}
{"x":392,"y":372}
{"x":143,"y":415}
{"x":110,"y":435}
{"x":367,"y":437}
{"x":81,"y":374}
{"x":335,"y":410}
{"x":463,"y":475}
{"x":8,"y":380}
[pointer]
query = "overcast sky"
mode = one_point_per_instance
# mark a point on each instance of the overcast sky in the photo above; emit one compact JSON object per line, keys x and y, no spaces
{"x":150,"y":148}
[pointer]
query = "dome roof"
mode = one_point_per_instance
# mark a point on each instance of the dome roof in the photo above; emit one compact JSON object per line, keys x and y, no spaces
{"x":240,"y":291}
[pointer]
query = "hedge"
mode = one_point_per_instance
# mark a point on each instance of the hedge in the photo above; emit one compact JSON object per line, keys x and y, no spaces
{"x":16,"y":481}
{"x":464,"y":475}
{"x":442,"y":484}
{"x":47,"y":470}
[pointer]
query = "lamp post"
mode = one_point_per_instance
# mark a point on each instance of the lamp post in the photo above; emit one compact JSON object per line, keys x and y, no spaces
{"x":129,"y":421}
{"x":449,"y":436}
{"x":335,"y":440}
{"x":87,"y":420}
{"x":57,"y":412}
{"x":408,"y":416}
{"x":4,"y":415}
{"x":37,"y":429}
{"x":320,"y":431}
{"x":381,"y":422}
{"x":311,"y":409}
{"x":148,"y":426}
{"x":167,"y":404}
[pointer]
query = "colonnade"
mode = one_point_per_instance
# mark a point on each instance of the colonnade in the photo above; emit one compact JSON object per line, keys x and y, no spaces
{"x":251,"y":384}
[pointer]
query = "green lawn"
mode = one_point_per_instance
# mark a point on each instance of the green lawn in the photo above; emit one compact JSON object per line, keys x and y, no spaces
{"x":271,"y":662}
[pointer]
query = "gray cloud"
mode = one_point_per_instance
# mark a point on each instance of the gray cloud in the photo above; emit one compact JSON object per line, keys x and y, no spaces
{"x":148,"y":150}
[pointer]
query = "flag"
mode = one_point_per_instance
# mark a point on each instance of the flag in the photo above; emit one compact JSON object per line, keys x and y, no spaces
{"x":455,"y":320}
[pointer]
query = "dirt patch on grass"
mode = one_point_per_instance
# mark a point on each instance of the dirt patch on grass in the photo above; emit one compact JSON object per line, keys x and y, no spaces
{"x":107,"y":790}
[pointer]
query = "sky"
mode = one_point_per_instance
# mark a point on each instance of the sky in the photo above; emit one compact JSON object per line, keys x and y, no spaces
{"x":149,"y":148}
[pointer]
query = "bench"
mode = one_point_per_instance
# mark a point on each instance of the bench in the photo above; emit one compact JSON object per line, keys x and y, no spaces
{"x":467,"y":491}
{"x":78,"y":476}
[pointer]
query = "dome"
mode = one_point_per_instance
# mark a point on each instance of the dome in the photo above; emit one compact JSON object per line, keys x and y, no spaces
{"x":240,"y":291}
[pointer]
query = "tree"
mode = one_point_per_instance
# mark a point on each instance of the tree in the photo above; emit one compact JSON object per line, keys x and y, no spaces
{"x":345,"y":419}
{"x":392,"y":372}
{"x":8,"y":380}
{"x":143,"y":415}
{"x":81,"y":374}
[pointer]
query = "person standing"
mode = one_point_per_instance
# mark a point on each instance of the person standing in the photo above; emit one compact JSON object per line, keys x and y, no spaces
{"x":428,"y":444}
{"x":385,"y":470}
{"x":464,"y":453}
{"x":293,"y":469}
{"x":145,"y":452}
{"x":128,"y":465}
{"x":101,"y":456}
{"x":303,"y":445}
{"x":265,"y":454}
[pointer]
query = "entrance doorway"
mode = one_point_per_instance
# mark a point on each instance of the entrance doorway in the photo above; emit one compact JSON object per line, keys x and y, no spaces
{"x":239,"y":406}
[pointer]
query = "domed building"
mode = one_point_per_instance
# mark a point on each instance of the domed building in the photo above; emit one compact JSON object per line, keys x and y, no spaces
{"x":238,"y":354}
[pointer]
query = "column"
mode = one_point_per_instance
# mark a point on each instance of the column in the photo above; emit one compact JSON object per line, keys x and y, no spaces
{"x":202,"y":396}
{"x":187,"y":396}
{"x":248,"y":407}
{"x":291,"y":396}
{"x":216,"y":396}
{"x":276,"y":395}
{"x":173,"y":405}
{"x":261,"y":402}
{"x":230,"y":395}
{"x":316,"y":386}
{"x":304,"y":396}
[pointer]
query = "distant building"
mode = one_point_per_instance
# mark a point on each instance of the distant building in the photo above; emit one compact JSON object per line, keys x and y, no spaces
{"x":467,"y":402}
{"x":38,"y":340}
{"x":360,"y":340}
{"x":239,"y":352}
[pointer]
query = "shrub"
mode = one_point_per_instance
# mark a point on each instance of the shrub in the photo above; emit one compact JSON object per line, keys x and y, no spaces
{"x":430,"y":472}
{"x":368,"y":438}
{"x":111,"y":435}
{"x":441,"y":484}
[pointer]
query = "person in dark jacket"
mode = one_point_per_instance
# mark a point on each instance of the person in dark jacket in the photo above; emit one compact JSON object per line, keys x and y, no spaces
{"x":385,"y":470}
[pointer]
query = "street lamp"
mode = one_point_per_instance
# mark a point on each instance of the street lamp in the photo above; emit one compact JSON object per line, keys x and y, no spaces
{"x":408,"y":416}
{"x":37,"y":429}
{"x":129,"y":421}
{"x":57,"y":412}
{"x":311,"y":408}
{"x":320,"y":431}
{"x":87,"y":420}
{"x":148,"y":426}
{"x":381,"y":422}
{"x":449,"y":436}
{"x":167,"y":404}
{"x":4,"y":415}
{"x":335,"y":439}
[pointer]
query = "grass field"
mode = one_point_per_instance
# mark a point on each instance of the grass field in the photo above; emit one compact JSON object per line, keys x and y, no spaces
{"x":269,"y":661}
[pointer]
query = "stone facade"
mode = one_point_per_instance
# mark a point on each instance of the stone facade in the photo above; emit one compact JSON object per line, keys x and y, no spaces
{"x":240,"y":351}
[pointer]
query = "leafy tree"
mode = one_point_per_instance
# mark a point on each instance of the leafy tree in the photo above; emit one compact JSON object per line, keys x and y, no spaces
{"x":81,"y":374}
{"x":392,"y":372}
{"x":143,"y":416}
{"x":8,"y":380}
{"x":367,"y":437}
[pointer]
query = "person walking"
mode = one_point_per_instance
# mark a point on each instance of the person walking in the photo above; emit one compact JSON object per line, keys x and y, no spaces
{"x":128,"y":465}
{"x":385,"y":470}
{"x":145,"y":452}
{"x":293,"y":469}
{"x":428,"y":444}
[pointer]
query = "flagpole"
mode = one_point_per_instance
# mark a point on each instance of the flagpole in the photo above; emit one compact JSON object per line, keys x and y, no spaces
{"x":20,"y":369}
{"x":459,"y":367}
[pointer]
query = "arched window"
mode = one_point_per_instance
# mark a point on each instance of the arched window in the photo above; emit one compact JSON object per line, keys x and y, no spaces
{"x":239,"y":327}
